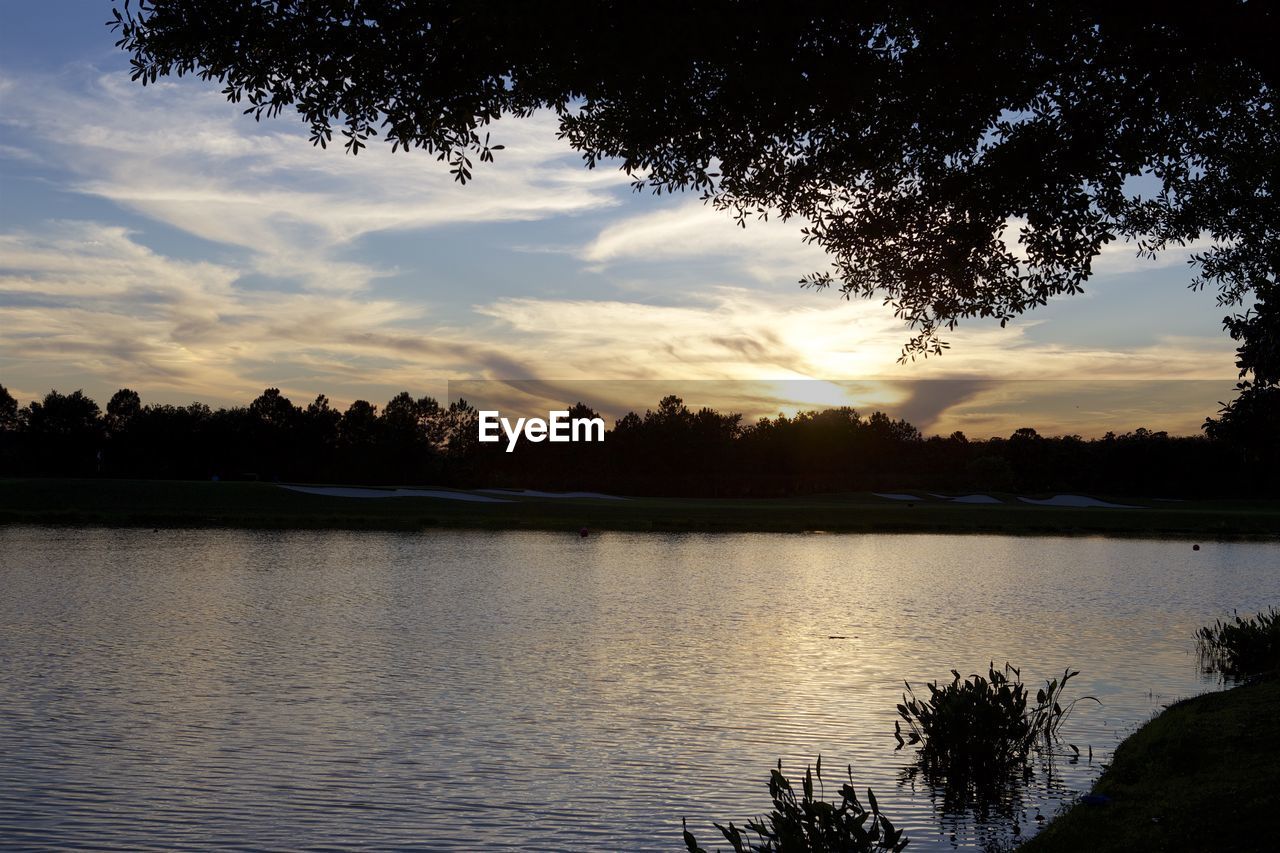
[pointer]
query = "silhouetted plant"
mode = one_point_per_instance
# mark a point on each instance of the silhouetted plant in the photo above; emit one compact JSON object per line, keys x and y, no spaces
{"x":982,"y":727}
{"x":799,"y":824}
{"x":1241,"y":647}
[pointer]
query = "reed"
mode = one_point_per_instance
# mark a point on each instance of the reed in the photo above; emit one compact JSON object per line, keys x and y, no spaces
{"x":803,"y":823}
{"x":1241,"y":647}
{"x":982,"y":726}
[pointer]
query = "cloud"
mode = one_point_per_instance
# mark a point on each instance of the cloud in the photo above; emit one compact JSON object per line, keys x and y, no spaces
{"x":1121,"y":258}
{"x":84,"y":299}
{"x":927,"y":401}
{"x":1088,"y":407}
{"x":693,"y":230}
{"x":769,"y":251}
{"x":736,"y":332}
{"x":178,"y":153}
{"x":293,"y":299}
{"x":87,"y":301}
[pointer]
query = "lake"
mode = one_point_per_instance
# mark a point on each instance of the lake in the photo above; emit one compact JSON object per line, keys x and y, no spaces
{"x":479,"y":690}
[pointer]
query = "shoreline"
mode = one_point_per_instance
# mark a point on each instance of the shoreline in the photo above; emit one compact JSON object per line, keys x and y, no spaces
{"x":1201,"y":775}
{"x":265,"y":506}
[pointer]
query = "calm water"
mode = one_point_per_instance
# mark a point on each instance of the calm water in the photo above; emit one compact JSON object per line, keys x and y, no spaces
{"x":479,"y":690}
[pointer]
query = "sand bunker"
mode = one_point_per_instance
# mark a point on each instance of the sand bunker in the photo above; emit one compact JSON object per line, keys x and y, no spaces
{"x":533,"y":493}
{"x":356,"y":492}
{"x":968,"y":499}
{"x":1079,"y":501}
{"x":1076,"y":501}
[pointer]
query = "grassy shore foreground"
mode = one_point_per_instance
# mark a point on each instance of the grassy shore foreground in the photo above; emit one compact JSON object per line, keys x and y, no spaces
{"x":1203,"y":775}
{"x":164,"y":503}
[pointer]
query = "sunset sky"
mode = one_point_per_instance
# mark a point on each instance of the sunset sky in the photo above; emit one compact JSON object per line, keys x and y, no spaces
{"x":157,"y":239}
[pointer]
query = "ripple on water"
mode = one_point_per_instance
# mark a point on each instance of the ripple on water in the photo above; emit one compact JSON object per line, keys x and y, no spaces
{"x":198,"y":689}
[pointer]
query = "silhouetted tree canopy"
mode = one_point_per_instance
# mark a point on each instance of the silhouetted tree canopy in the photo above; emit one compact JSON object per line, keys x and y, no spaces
{"x":73,"y":414}
{"x":956,"y":159}
{"x":8,"y":410}
{"x":671,"y":450}
{"x":62,"y":433}
{"x":1252,"y":420}
{"x":123,"y":407}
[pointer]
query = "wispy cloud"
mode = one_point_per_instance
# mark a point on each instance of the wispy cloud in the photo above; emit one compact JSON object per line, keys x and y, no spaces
{"x":86,"y":300}
{"x":179,"y":154}
{"x":690,"y":229}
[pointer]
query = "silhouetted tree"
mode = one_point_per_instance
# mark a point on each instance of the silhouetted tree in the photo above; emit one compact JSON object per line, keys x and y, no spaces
{"x":8,"y":410}
{"x":271,"y":424}
{"x":459,"y":429}
{"x":70,"y":415}
{"x":670,"y":450}
{"x":273,"y":409}
{"x":122,"y":408}
{"x":431,"y":416}
{"x":359,"y":424}
{"x":400,"y":416}
{"x":320,"y":431}
{"x":9,"y":438}
{"x":1252,"y":420}
{"x":958,"y":160}
{"x":65,"y":432}
{"x":169,"y":441}
{"x":325,"y":417}
{"x":409,"y":429}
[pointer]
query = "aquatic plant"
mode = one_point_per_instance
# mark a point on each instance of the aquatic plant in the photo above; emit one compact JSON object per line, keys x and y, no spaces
{"x":807,"y":824}
{"x":981,"y":727}
{"x":1241,"y":647}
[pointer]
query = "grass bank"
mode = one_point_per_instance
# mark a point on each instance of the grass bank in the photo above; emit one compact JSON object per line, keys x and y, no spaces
{"x":1203,"y":775}
{"x":161,"y":503}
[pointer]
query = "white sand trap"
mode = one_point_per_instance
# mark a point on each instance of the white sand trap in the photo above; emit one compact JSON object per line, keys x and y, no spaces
{"x":894,"y":496}
{"x":356,"y":492}
{"x":1076,"y":501}
{"x":533,"y":493}
{"x":968,"y":499}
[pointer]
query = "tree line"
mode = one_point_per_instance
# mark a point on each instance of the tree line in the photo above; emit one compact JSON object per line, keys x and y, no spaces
{"x":671,"y":450}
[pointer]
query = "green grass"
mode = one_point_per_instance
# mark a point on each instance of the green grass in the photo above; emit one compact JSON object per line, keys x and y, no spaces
{"x":161,"y":503}
{"x":1203,"y":775}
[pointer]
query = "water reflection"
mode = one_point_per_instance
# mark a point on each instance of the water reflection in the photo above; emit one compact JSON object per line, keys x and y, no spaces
{"x":454,"y":690}
{"x":992,"y":813}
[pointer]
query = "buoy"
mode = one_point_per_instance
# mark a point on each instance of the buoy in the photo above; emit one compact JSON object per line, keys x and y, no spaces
{"x":583,"y":533}
{"x":1195,"y":547}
